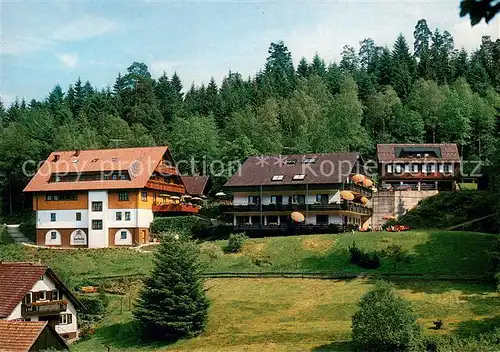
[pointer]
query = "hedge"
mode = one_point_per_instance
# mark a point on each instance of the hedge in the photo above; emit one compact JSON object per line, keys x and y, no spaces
{"x":183,"y":225}
{"x":28,"y":228}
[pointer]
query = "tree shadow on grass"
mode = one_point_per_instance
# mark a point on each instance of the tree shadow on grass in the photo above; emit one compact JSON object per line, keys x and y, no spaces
{"x":472,"y":328}
{"x":124,"y":335}
{"x":335,"y":346}
{"x":430,"y":286}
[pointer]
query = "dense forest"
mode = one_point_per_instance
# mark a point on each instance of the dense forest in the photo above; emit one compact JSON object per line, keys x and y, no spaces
{"x":423,"y":90}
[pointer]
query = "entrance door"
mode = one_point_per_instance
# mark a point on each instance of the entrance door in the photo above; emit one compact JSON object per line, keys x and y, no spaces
{"x":143,"y":236}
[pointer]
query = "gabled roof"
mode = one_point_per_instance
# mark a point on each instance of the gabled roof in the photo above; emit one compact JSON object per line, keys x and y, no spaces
{"x":139,"y":162}
{"x":444,"y":151}
{"x":195,"y":185}
{"x":328,"y":168}
{"x":16,"y":279}
{"x":19,"y":336}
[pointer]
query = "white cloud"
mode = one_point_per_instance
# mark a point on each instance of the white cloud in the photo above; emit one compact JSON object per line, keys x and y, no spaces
{"x":69,"y":59}
{"x":7,"y":99}
{"x":470,"y":37}
{"x":20,"y":44}
{"x":84,"y":28}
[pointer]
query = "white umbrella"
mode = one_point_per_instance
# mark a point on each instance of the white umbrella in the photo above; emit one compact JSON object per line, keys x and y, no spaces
{"x":220,"y":194}
{"x":187,"y":196}
{"x":175,"y":197}
{"x":196,"y":198}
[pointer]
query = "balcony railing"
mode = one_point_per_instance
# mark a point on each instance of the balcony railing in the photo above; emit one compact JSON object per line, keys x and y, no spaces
{"x":44,"y":308}
{"x":167,"y":187}
{"x":166,"y":170}
{"x":364,"y":191}
{"x":180,"y":208}
{"x":331,"y":228}
{"x":345,"y":205}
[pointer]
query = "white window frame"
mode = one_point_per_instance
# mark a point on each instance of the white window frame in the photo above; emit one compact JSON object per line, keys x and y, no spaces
{"x":299,"y":177}
{"x":277,"y":178}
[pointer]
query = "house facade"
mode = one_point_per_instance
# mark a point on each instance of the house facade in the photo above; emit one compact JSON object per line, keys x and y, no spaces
{"x":105,"y":198}
{"x":30,"y":336}
{"x":33,"y":292}
{"x":419,"y":167}
{"x":266,"y":190}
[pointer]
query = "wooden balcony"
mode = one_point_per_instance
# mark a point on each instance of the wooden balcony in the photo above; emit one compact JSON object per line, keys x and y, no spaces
{"x":166,"y":170}
{"x":345,"y":205}
{"x":176,"y":208}
{"x":364,"y":191}
{"x":166,"y":187}
{"x":43,"y":308}
{"x":418,"y":176}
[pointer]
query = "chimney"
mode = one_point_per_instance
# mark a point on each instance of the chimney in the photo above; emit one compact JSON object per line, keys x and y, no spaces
{"x":56,"y":157}
{"x":77,"y":152}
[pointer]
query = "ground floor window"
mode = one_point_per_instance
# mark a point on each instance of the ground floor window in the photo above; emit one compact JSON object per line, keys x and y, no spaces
{"x":272,"y":219}
{"x":242,"y":220}
{"x":96,"y":224}
{"x":65,"y":319}
{"x":255,"y":219}
{"x":321,"y":219}
{"x":53,"y":238}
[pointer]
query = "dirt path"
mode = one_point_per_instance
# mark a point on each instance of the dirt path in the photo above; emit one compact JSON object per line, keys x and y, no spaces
{"x":17,"y":236}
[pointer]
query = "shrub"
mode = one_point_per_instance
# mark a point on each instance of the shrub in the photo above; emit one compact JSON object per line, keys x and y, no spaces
{"x":236,"y":242}
{"x":211,"y":251}
{"x":28,"y":228}
{"x":172,"y":303}
{"x":385,"y":321}
{"x":362,"y":259}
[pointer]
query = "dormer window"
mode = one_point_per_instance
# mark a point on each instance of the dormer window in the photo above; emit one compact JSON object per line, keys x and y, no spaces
{"x":277,"y":178}
{"x":290,"y":161}
{"x":309,"y":160}
{"x":299,"y":177}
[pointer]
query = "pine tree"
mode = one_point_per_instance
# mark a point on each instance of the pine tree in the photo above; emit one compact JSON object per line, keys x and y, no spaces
{"x":279,"y":69}
{"x":422,"y":35}
{"x":350,"y":61}
{"x":403,"y":67}
{"x":367,"y":53}
{"x":318,"y":67}
{"x":173,"y":303}
{"x":303,"y":68}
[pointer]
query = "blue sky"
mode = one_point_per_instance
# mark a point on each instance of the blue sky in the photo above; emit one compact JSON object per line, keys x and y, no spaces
{"x":56,"y":42}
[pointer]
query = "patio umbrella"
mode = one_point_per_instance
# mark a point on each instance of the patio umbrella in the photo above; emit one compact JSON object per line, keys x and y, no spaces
{"x":175,"y":197}
{"x":220,"y":194}
{"x":358,"y":178}
{"x":389,"y":217}
{"x":367,"y":182}
{"x":364,"y":200}
{"x":187,"y":196}
{"x":297,"y":217}
{"x":196,"y":198}
{"x":347,"y":195}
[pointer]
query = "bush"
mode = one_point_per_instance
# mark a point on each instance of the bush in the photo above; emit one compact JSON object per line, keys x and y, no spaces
{"x":173,"y":302}
{"x":385,"y":321}
{"x":236,"y":242}
{"x":362,"y":259}
{"x":183,"y":225}
{"x":28,"y":228}
{"x":211,"y":251}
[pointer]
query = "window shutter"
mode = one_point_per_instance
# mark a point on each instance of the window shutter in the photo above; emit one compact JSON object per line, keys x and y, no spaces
{"x":49,"y":295}
{"x":60,"y":318}
{"x":36,"y":296}
{"x":70,"y":318}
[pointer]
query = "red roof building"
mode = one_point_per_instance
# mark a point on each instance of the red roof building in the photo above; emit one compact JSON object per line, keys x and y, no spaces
{"x":24,"y":336}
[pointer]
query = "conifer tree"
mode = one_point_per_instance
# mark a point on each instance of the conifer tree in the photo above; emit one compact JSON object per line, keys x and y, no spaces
{"x":173,"y":303}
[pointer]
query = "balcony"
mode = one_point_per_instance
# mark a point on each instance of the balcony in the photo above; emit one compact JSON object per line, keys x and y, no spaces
{"x":364,"y":191}
{"x":166,"y":170}
{"x":166,"y":187}
{"x":178,"y":208}
{"x":43,"y":308}
{"x":419,"y":176}
{"x":349,"y":206}
{"x":294,"y":227}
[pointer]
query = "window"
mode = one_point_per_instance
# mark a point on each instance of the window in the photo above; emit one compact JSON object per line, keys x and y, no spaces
{"x":53,"y":235}
{"x":309,"y":160}
{"x":407,"y":168}
{"x":276,"y":199}
{"x":122,"y":196}
{"x":414,"y":167}
{"x":55,"y":295}
{"x":144,"y":196}
{"x":154,"y":198}
{"x":299,"y":177}
{"x":272,"y":219}
{"x":430,"y":168}
{"x":41,"y":295}
{"x":118,"y":216}
{"x":255,"y":219}
{"x":52,"y":216}
{"x":65,"y":319}
{"x":322,"y":219}
{"x":389,"y":168}
{"x":62,"y":196}
{"x":253,"y":200}
{"x":297,"y":199}
{"x":27,"y":298}
{"x":96,"y":224}
{"x":78,"y":216}
{"x":290,"y":161}
{"x":127,"y":216}
{"x":96,"y":206}
{"x":277,"y":178}
{"x":242,"y":220}
{"x":48,"y":197}
{"x":322,"y":198}
{"x":123,"y":235}
{"x":398,"y":169}
{"x":447,"y":168}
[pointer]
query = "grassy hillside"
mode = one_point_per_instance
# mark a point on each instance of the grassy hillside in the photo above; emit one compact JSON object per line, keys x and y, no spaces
{"x":301,"y":315}
{"x":447,"y":209}
{"x":427,"y":252}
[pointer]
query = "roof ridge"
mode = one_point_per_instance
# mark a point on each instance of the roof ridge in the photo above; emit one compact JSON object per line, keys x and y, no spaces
{"x":91,"y":150}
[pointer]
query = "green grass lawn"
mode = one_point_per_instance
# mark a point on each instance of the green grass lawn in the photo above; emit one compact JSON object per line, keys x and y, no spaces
{"x":301,"y":315}
{"x":429,"y":252}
